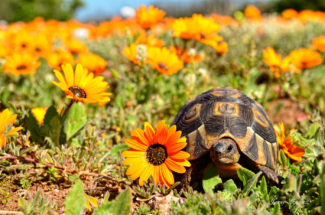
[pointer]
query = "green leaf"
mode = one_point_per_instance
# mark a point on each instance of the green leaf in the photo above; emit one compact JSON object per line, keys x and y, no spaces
{"x":312,"y":130}
{"x":263,"y":186}
{"x":244,"y":175}
{"x":120,"y":147}
{"x":32,"y":126}
{"x":73,"y":178}
{"x":121,"y":205}
{"x":322,"y":193}
{"x":75,"y":121}
{"x":55,"y":130}
{"x":277,"y":208}
{"x":231,"y":187}
{"x":50,"y":113}
{"x":251,"y":183}
{"x":75,"y":201}
{"x":211,"y":178}
{"x":283,"y":159}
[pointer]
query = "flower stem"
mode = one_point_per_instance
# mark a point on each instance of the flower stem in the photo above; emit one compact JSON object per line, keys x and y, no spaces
{"x":66,"y":110}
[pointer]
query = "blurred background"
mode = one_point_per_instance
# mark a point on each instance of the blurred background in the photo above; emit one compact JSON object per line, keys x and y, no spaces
{"x":98,"y":10}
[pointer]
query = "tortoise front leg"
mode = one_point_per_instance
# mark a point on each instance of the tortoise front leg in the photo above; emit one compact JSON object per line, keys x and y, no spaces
{"x":270,"y":175}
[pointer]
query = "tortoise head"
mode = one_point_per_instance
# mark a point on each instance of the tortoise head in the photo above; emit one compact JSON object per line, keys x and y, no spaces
{"x":225,"y":151}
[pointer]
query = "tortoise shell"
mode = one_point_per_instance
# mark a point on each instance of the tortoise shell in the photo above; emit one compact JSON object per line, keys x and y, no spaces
{"x":225,"y":112}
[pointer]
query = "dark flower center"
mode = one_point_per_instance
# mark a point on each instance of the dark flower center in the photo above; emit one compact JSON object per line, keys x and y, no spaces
{"x":203,"y":36}
{"x":21,"y":67}
{"x":38,"y":49}
{"x":78,"y":92}
{"x":156,"y":154}
{"x":23,"y":45}
{"x":162,"y":66}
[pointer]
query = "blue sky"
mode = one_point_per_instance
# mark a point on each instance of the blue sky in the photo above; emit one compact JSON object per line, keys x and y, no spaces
{"x":105,"y":8}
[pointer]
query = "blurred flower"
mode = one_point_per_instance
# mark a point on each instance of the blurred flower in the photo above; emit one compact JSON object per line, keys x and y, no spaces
{"x":156,"y":153}
{"x":221,"y":48}
{"x":149,"y":17}
{"x":132,"y":54}
{"x":57,"y":59}
{"x":4,"y":49}
{"x":305,"y":58}
{"x":253,"y":13}
{"x":164,"y":61}
{"x":150,"y":41}
{"x":40,"y":46}
{"x":289,"y":14}
{"x":196,"y":27}
{"x":292,"y":151}
{"x":319,"y":43}
{"x":81,"y":85}
{"x":222,"y":20}
{"x":275,"y":61}
{"x":21,"y":64}
{"x":92,"y":62}
{"x":39,"y":114}
{"x":187,"y":56}
{"x":21,"y":41}
{"x":81,"y":33}
{"x":75,"y":46}
{"x":6,"y":120}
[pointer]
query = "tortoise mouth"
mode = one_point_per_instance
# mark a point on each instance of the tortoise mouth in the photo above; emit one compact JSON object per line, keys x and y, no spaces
{"x":226,"y":160}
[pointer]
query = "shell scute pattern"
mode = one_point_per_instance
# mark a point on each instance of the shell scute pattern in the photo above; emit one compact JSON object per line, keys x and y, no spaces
{"x":225,"y":112}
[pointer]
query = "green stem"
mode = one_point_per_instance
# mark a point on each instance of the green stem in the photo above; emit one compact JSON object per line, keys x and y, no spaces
{"x":66,"y":110}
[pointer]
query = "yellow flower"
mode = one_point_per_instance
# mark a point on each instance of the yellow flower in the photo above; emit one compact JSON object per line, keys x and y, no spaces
{"x":147,"y":18}
{"x":21,"y":64}
{"x":92,"y":62}
{"x":7,"y":119}
{"x":81,"y":85}
{"x":156,"y":153}
{"x":164,"y":61}
{"x":131,"y":53}
{"x":39,"y":114}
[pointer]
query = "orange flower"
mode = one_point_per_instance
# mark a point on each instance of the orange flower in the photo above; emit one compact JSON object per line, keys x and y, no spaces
{"x":41,"y":46}
{"x":147,"y":18}
{"x":289,"y":14}
{"x":319,"y":43}
{"x":196,"y":27}
{"x":305,"y":58}
{"x":92,"y":62}
{"x":4,"y":49}
{"x":252,"y":13}
{"x":275,"y":61}
{"x":21,"y":64}
{"x":75,"y":46}
{"x":156,"y":153}
{"x":6,"y":119}
{"x":184,"y":55}
{"x":22,"y":41}
{"x":57,"y":59}
{"x":164,"y":61}
{"x":292,"y":151}
{"x":81,"y":85}
{"x":222,"y":20}
{"x":221,"y":48}
{"x":133,"y":54}
{"x":150,"y":41}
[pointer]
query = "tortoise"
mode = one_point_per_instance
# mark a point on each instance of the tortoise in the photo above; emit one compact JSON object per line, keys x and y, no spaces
{"x":228,"y":128}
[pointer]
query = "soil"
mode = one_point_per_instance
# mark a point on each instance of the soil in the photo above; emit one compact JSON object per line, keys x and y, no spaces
{"x":57,"y":193}
{"x":288,"y":114}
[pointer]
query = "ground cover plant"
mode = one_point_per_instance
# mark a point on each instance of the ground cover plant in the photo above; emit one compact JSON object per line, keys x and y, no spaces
{"x":82,"y":104}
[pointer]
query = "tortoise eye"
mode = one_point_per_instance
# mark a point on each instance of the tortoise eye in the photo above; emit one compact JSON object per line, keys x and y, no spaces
{"x":190,"y":114}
